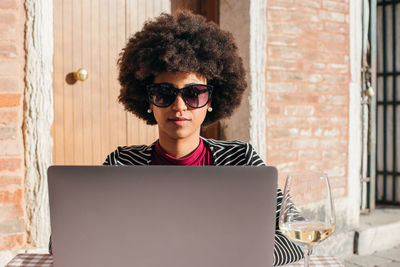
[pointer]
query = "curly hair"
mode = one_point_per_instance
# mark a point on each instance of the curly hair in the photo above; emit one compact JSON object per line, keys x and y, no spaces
{"x":182,"y":42}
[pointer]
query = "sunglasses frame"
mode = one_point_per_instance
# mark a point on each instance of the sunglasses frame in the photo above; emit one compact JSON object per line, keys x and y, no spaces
{"x":176,"y":92}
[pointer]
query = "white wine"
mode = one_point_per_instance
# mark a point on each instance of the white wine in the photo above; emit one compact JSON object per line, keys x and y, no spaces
{"x":310,"y":233}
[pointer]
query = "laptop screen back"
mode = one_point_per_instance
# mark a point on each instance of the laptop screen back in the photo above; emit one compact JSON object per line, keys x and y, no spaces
{"x":162,"y":216}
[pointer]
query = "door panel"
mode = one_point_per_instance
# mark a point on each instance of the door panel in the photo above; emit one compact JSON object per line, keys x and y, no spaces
{"x":58,"y":81}
{"x":88,"y":98}
{"x":75,"y":94}
{"x":89,"y":122}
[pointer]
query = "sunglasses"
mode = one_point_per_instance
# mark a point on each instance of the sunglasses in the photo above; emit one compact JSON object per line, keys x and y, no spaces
{"x":164,"y":94}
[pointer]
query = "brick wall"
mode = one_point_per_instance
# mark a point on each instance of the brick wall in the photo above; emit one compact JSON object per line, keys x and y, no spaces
{"x":308,"y":76}
{"x":12,"y":62}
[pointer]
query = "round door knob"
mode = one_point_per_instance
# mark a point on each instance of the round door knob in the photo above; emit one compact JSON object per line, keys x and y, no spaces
{"x":81,"y":75}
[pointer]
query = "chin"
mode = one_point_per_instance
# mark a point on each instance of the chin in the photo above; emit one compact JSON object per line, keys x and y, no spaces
{"x":178,"y":136}
{"x":181,"y":134}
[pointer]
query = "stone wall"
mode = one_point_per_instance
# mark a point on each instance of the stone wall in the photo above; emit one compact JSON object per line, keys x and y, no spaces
{"x":308,"y":75}
{"x":311,"y":86}
{"x":26,"y":49}
{"x":12,"y":62}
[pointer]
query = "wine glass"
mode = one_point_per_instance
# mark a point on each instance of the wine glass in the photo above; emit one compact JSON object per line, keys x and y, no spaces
{"x":307,"y":214}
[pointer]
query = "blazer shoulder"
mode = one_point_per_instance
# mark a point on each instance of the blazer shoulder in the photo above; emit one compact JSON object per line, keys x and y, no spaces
{"x":130,"y":155}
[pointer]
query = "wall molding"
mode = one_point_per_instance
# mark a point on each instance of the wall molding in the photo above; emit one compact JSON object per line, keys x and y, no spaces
{"x":38,"y":118}
{"x":354,"y":131}
{"x":258,"y":59}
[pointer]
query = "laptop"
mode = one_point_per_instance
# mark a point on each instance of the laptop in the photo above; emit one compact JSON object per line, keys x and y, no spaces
{"x":162,"y":216}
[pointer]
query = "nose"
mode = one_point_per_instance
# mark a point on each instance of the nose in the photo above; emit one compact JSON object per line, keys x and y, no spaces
{"x":179,"y":104}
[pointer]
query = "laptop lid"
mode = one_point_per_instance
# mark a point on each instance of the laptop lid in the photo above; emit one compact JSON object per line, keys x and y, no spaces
{"x":162,"y":216}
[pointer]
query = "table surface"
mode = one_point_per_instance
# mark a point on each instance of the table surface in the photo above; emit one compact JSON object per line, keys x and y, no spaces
{"x":46,"y":260}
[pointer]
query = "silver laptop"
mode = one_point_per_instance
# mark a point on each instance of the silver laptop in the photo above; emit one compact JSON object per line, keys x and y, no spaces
{"x":162,"y":216}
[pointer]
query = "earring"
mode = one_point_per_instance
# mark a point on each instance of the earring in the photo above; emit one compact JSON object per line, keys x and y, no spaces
{"x":209,"y":109}
{"x":149,"y":111}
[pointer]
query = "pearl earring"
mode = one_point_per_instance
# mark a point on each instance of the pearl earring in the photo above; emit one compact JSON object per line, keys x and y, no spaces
{"x":209,"y":109}
{"x":149,"y":111}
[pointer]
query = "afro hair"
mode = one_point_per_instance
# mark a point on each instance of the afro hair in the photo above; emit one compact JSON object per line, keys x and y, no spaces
{"x":182,"y":42}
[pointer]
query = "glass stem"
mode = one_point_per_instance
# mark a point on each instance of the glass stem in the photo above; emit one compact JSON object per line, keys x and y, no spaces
{"x":307,"y":253}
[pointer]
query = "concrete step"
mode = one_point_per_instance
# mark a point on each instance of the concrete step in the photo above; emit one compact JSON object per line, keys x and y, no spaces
{"x":384,"y":258}
{"x":379,"y":230}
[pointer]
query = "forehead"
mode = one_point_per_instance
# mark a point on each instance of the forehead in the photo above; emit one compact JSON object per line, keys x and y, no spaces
{"x":180,"y":79}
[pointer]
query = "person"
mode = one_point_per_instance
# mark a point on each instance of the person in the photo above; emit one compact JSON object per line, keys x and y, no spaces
{"x":181,"y":73}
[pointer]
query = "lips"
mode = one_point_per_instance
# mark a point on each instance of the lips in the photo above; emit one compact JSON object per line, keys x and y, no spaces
{"x":179,"y":120}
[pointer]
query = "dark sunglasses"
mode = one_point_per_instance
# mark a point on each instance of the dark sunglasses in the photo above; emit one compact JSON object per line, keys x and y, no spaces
{"x":164,"y":94}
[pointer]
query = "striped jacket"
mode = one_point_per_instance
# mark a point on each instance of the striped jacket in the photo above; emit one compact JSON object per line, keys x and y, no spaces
{"x":225,"y":153}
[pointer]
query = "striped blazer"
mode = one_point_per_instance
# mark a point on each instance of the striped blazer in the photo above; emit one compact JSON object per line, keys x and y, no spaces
{"x":225,"y":153}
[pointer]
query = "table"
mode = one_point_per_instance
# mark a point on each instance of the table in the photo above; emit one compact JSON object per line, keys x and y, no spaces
{"x":46,"y":260}
{"x":319,"y":261}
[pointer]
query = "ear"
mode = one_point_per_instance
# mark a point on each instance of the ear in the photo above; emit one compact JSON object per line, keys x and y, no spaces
{"x":209,"y":107}
{"x":150,"y":109}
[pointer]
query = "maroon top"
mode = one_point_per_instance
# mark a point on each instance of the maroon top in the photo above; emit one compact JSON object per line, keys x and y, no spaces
{"x":200,"y":157}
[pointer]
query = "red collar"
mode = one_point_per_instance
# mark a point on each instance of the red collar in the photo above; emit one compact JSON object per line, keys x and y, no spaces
{"x":201,"y":156}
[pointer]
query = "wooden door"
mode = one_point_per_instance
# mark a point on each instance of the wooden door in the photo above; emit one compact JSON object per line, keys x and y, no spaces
{"x":89,"y":122}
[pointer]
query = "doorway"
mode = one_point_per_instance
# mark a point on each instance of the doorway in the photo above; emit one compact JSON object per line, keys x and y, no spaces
{"x":89,"y":123}
{"x":388,"y":103}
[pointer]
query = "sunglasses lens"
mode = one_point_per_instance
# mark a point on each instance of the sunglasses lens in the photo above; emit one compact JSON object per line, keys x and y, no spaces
{"x":196,"y":95}
{"x":162,"y":95}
